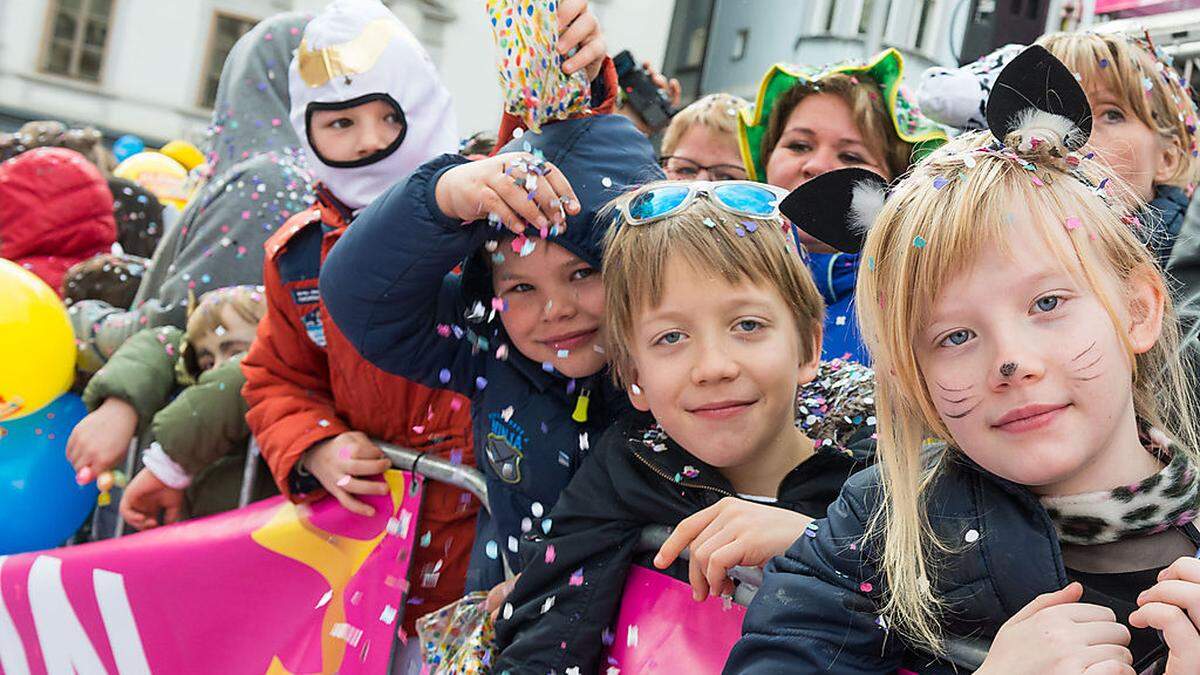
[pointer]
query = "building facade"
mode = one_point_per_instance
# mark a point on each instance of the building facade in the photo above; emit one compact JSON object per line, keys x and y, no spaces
{"x":150,"y":67}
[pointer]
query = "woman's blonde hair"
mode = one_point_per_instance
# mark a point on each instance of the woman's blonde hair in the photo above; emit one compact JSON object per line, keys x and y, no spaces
{"x":635,"y":267}
{"x":718,"y":112}
{"x":867,"y":107}
{"x":1148,"y":88}
{"x":953,"y":207}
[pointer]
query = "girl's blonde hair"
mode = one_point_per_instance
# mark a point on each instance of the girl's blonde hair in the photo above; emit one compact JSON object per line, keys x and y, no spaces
{"x":1147,"y":87}
{"x":953,"y":207}
{"x":248,"y":302}
{"x":867,"y":107}
{"x":718,"y":112}
{"x":635,"y":267}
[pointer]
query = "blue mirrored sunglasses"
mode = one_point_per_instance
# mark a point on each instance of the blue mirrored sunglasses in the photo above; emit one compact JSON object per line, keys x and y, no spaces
{"x":739,"y":197}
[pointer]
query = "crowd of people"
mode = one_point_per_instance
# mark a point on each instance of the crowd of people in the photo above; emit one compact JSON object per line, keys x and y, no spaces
{"x":926,"y":358}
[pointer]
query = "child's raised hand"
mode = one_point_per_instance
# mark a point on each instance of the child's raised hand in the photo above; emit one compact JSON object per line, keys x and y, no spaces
{"x":579,"y":28}
{"x":338,"y":462}
{"x":1173,"y":607}
{"x":101,"y":439}
{"x":729,"y":533}
{"x":515,"y":186}
{"x":145,"y":497}
{"x":1055,"y":633}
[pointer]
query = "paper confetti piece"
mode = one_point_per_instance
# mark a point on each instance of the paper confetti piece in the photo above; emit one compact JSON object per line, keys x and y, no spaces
{"x":550,"y":554}
{"x":919,"y":241}
{"x":939,"y":183}
{"x":1073,"y":223}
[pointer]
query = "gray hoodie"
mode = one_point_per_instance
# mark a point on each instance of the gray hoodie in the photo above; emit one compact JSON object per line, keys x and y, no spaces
{"x":257,"y":181}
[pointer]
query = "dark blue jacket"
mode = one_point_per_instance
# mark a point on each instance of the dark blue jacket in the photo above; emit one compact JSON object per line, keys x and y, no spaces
{"x":835,"y":275}
{"x":818,"y":608}
{"x":388,"y":286}
{"x":1163,"y":220}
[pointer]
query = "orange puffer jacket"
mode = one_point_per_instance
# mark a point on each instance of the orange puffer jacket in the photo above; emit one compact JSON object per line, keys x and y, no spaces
{"x":305,"y":383}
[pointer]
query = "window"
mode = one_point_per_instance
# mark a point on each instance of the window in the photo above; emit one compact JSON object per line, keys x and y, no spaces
{"x":923,"y":23}
{"x":740,"y":41}
{"x":830,"y":16}
{"x":78,"y":33}
{"x":226,"y":29}
{"x":864,"y":18}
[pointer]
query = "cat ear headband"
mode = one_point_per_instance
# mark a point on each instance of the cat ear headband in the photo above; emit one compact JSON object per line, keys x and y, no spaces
{"x":1034,"y":91}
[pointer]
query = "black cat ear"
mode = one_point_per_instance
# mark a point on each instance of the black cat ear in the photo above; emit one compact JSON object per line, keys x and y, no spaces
{"x":1037,"y":86}
{"x":837,"y":207}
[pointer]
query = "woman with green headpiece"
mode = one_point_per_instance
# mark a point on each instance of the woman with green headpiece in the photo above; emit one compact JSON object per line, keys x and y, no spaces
{"x":807,"y":121}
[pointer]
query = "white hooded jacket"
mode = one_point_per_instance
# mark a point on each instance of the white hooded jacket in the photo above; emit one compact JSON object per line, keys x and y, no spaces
{"x":356,"y":51}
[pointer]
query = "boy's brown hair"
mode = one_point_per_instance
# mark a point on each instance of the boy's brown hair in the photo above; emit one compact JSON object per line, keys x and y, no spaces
{"x":636,"y":257}
{"x":248,"y":302}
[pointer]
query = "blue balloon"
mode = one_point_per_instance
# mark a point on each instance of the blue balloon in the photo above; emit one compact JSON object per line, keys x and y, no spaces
{"x":127,"y":146}
{"x":40,"y":502}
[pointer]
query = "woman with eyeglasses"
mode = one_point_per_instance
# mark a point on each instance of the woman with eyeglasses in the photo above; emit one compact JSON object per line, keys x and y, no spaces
{"x":810,"y":121}
{"x":702,"y":141}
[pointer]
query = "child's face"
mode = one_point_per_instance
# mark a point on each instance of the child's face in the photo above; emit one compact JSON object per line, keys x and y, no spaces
{"x":718,"y":365}
{"x":1024,"y":367}
{"x":1135,"y":151}
{"x":231,"y":337}
{"x":351,"y":134}
{"x":555,"y":306}
{"x":704,"y":153}
{"x":820,"y":136}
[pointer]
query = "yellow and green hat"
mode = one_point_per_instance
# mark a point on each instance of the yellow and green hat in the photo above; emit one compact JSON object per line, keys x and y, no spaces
{"x":887,"y":69}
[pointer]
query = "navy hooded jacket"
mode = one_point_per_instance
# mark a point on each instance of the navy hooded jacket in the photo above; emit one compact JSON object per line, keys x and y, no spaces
{"x":388,"y":286}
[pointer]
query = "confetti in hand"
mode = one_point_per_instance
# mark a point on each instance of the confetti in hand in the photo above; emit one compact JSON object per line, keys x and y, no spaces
{"x":535,"y":87}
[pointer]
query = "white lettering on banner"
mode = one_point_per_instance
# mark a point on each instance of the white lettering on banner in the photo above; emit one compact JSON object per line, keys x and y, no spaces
{"x":12,"y":652}
{"x":119,"y":624}
{"x":65,"y":645}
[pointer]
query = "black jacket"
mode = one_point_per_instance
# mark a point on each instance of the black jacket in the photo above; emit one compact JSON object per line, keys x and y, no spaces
{"x":818,"y":608}
{"x":569,"y":597}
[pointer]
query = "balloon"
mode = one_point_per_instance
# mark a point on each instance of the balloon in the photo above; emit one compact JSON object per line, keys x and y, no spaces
{"x":188,"y":155}
{"x":127,"y":146}
{"x":37,"y":345}
{"x":41,"y":503}
{"x":159,"y":174}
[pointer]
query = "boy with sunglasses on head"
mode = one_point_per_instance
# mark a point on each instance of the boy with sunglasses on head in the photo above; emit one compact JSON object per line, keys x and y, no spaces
{"x":717,"y":344}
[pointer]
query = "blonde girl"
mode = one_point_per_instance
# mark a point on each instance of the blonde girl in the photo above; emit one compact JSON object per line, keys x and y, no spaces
{"x":1037,"y":483}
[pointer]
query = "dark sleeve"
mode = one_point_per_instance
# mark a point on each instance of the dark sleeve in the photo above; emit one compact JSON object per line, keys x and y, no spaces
{"x":811,"y":614}
{"x":569,"y":597}
{"x":387,"y":283}
{"x":1184,"y":263}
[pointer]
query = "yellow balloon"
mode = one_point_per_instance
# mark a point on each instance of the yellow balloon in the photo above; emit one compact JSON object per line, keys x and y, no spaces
{"x":37,"y":346}
{"x":185,"y":153}
{"x":161,"y":175}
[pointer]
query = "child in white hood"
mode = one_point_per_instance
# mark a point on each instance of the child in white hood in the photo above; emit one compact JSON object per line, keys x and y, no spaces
{"x":369,"y":108}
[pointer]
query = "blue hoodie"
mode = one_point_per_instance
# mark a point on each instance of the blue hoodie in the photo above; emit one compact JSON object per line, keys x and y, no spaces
{"x":388,"y":286}
{"x":835,"y":275}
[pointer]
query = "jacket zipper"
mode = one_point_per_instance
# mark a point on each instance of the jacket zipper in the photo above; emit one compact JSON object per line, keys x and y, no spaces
{"x":672,"y":480}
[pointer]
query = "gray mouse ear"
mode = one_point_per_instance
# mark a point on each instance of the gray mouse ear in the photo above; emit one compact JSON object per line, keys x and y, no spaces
{"x":1035,"y":89}
{"x":838,"y":207}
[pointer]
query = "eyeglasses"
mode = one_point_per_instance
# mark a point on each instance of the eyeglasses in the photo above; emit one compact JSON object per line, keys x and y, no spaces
{"x":739,"y":197}
{"x":682,"y":168}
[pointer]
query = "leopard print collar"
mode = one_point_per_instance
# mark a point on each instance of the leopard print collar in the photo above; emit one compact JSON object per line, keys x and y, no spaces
{"x":1169,"y":498}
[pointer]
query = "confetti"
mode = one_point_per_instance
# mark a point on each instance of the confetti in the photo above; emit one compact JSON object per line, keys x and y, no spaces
{"x":939,"y":183}
{"x":550,"y":555}
{"x":576,"y":578}
{"x":919,"y":241}
{"x":444,"y":375}
{"x":971,"y":536}
{"x":866,"y":587}
{"x":1073,"y":223}
{"x":708,"y":222}
{"x":492,"y":550}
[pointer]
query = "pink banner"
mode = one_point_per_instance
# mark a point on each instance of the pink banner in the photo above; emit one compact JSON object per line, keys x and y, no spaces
{"x":661,"y":629}
{"x":272,"y":588}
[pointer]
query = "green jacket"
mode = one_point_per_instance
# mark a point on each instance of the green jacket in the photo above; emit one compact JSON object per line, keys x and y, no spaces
{"x":203,"y":429}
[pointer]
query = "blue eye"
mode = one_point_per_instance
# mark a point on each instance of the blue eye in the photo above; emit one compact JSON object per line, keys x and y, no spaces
{"x":957,"y":338}
{"x":1048,"y":303}
{"x":672,"y":338}
{"x":749,"y":325}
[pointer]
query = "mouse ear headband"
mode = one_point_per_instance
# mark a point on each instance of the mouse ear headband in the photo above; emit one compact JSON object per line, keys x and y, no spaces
{"x":1037,"y":112}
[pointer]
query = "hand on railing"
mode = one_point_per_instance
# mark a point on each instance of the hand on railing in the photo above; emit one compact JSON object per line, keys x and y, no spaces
{"x":731,"y":533}
{"x":342,"y":465}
